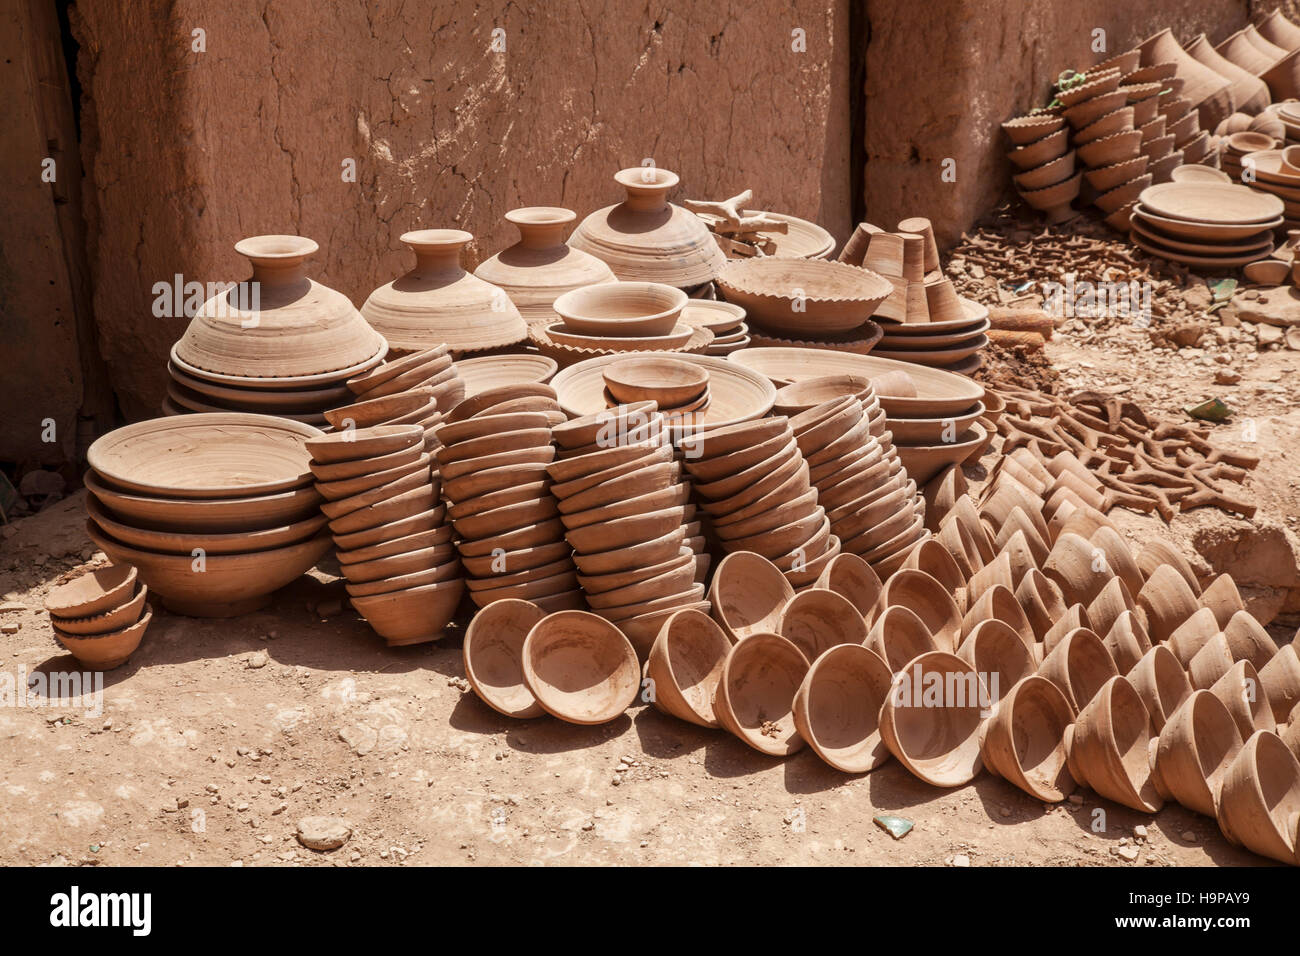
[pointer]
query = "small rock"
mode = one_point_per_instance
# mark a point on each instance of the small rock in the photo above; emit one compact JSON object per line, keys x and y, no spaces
{"x":961,"y":859}
{"x":9,"y":628}
{"x":1128,"y":853}
{"x":257,"y":660}
{"x":329,"y":608}
{"x":1140,"y":832}
{"x":323,"y":833}
{"x":1076,"y":799}
{"x":1189,"y":836}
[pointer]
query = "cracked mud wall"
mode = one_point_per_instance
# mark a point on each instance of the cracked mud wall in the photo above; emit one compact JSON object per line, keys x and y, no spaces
{"x":188,"y":152}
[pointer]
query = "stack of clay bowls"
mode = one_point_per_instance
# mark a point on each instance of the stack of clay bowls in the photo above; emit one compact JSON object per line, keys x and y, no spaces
{"x":869,"y":497}
{"x":617,"y":317}
{"x":415,"y":389}
{"x":495,"y":449}
{"x":754,"y":484}
{"x":100,"y":617}
{"x":646,"y":238}
{"x":216,"y":511}
{"x":1046,"y":177}
{"x":438,"y":303}
{"x":1206,"y":224}
{"x":1276,"y":172}
{"x":808,"y":302}
{"x":1236,"y":146}
{"x":487,"y":372}
{"x":626,"y":514}
{"x":279,"y":343}
{"x":1202,"y":88}
{"x":540,"y":267}
{"x":952,"y":339}
{"x":725,"y":320}
{"x":1102,"y":124}
{"x":390,"y":528}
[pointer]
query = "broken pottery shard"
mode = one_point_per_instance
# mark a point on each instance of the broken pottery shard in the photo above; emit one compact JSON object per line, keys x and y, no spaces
{"x":1213,"y":410}
{"x":896,"y":827}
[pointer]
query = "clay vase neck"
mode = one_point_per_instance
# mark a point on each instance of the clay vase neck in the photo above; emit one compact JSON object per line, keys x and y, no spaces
{"x":437,"y":258}
{"x":279,"y":264}
{"x":647,"y":188}
{"x":541,"y":228}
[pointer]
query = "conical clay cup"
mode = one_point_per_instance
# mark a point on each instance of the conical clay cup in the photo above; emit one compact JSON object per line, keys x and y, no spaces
{"x":1259,"y":799}
{"x":932,"y":718}
{"x":1198,"y":743}
{"x":1109,"y":743}
{"x":755,"y":698}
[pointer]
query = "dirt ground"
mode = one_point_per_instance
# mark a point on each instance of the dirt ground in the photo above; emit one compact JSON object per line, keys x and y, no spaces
{"x":219,"y":736}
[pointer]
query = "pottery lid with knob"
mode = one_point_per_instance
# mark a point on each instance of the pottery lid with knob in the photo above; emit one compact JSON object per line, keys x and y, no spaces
{"x":540,"y":267}
{"x":647,"y":238}
{"x":279,"y":322}
{"x":439,"y":303}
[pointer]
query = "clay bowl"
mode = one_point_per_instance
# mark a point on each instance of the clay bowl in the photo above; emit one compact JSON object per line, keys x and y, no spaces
{"x":621,"y":309}
{"x":851,"y":578}
{"x":781,"y":542}
{"x":622,"y":532}
{"x":482,"y":426}
{"x":835,"y":297}
{"x":939,"y":745}
{"x":1024,"y":740}
{"x":349,"y":487}
{"x":715,"y":443}
{"x":1198,"y":743}
{"x":487,"y":446}
{"x":493,"y":650}
{"x":414,"y":615}
{"x":94,"y":593}
{"x":628,"y":459}
{"x":495,"y":371}
{"x":394,"y":565}
{"x":809,"y":393}
{"x":1049,"y":174}
{"x":366,"y":467}
{"x":607,"y":428}
{"x":686,"y":663}
{"x":930,"y":601}
{"x":1191,"y":635}
{"x":755,"y":697}
{"x":667,"y":382}
{"x":379,"y":411}
{"x":114,"y":619}
{"x":446,"y":571}
{"x":207,"y":455}
{"x":1161,"y":683}
{"x":1280,"y":680}
{"x":500,"y":562}
{"x":633,"y":483}
{"x":934,"y":559}
{"x":1108,"y":746}
{"x":1166,"y":602}
{"x":679,"y":338}
{"x":1247,"y":639}
{"x":490,"y":480}
{"x":1157,"y":551}
{"x":837,"y":708}
{"x":1079,"y":665}
{"x":1259,"y":798}
{"x":404,"y":544}
{"x":1211,"y":662}
{"x":525,"y":396}
{"x":186,"y":542}
{"x":1024,"y":130}
{"x":1267,"y":271}
{"x":923,"y":462}
{"x":580,"y":667}
{"x":1127,"y":641}
{"x":228,"y":585}
{"x":506,"y":518}
{"x":529,"y":492}
{"x":640,"y":554}
{"x":387,"y":371}
{"x":930,"y":431}
{"x":1110,"y":150}
{"x":999,"y":655}
{"x":530,"y":536}
{"x":773,"y":514}
{"x":678,"y":578}
{"x":1242,"y":692}
{"x":363,"y":443}
{"x":431,"y":519}
{"x":403,"y":505}
{"x":106,"y":650}
{"x":1041,"y":151}
{"x":740,"y":470}
{"x":694,"y":594}
{"x":1071,"y":565}
{"x":816,"y":620}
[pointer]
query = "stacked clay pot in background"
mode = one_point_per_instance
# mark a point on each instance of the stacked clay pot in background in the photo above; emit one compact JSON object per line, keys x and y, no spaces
{"x":390,"y":528}
{"x":100,"y":616}
{"x":1046,"y":177}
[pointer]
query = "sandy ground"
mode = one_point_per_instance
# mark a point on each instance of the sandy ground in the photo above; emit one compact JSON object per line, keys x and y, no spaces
{"x":219,"y":736}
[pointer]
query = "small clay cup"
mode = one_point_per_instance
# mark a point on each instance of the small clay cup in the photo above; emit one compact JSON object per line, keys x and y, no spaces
{"x":816,"y":620}
{"x":493,"y":651}
{"x":1198,"y":743}
{"x":748,"y":594}
{"x":1024,"y":740}
{"x":685,"y":664}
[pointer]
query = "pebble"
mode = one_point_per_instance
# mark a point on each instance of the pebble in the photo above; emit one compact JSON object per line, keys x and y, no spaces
{"x":1189,"y":836}
{"x":258,"y":660}
{"x":1128,"y":853}
{"x":9,"y":628}
{"x":961,"y":859}
{"x":323,"y":833}
{"x":1076,"y":799}
{"x":1140,"y":832}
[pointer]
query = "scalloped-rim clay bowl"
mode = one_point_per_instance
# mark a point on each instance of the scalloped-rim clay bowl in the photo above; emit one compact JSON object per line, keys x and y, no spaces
{"x":1108,"y":745}
{"x":837,"y":708}
{"x":1024,"y":739}
{"x":580,"y":667}
{"x":853,"y":579}
{"x":1196,"y":746}
{"x":114,"y":619}
{"x":929,"y":600}
{"x":493,"y":651}
{"x":106,"y":650}
{"x":1080,"y":665}
{"x":835,"y":297}
{"x":228,"y":585}
{"x":207,"y":455}
{"x":1166,"y":601}
{"x":1259,"y":798}
{"x":621,"y":309}
{"x":755,"y":697}
{"x":748,"y":594}
{"x":93,"y":593}
{"x":686,"y":664}
{"x":413,"y":615}
{"x":816,"y":620}
{"x":937,"y":743}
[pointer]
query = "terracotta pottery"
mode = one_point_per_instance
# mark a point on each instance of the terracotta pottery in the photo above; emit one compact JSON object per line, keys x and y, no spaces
{"x":832,"y":297}
{"x":493,"y":652}
{"x":1127,"y":641}
{"x":931,"y":602}
{"x":439,"y":303}
{"x":755,"y":697}
{"x":1111,"y":150}
{"x":299,"y":328}
{"x":1243,"y":693}
{"x":999,"y":655}
{"x":852,"y":578}
{"x":647,"y":239}
{"x":1023,"y":740}
{"x":932,"y":718}
{"x":430,"y":519}
{"x":1019,"y":524}
{"x":108,"y":649}
{"x":1041,"y":151}
{"x":803,"y":395}
{"x":1074,"y":565}
{"x":186,"y":542}
{"x":1259,"y":798}
{"x":1079,"y":665}
{"x":686,"y":664}
{"x":1247,"y":639}
{"x":580,"y":667}
{"x":998,"y":603}
{"x":1118,"y":557}
{"x":1041,"y":600}
{"x":1195,"y":749}
{"x":1276,"y":28}
{"x":1108,"y":745}
{"x":105,"y":622}
{"x":363,"y":444}
{"x":995,"y":572}
{"x":817,"y":620}
{"x":1193,"y":634}
{"x":415,"y":541}
{"x":1166,"y":601}
{"x":1248,"y":92}
{"x":748,"y":595}
{"x":1097,"y":83}
{"x":93,"y":593}
{"x":1162,"y":684}
{"x":494,"y":371}
{"x":621,"y":310}
{"x":933,"y":558}
{"x":1105,"y":609}
{"x":1291,"y":734}
{"x":1075,"y":617}
{"x":412,"y":615}
{"x":1023,"y":130}
{"x":665,"y":381}
{"x":1280,"y":681}
{"x":1248,"y":49}
{"x":1210,"y":663}
{"x":403,"y":505}
{"x":495,"y":444}
{"x":1269,"y":272}
{"x":837,"y":708}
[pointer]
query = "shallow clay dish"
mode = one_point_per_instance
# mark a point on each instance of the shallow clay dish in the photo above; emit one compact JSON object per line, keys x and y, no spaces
{"x":1211,"y":203}
{"x":621,"y":309}
{"x":668,"y":382}
{"x":837,"y":708}
{"x":580,"y":667}
{"x":686,"y":664}
{"x":181,"y":542}
{"x":493,"y":651}
{"x":93,"y":593}
{"x":493,"y":371}
{"x":940,"y":745}
{"x":835,"y":297}
{"x":103,"y":652}
{"x":363,"y":443}
{"x":755,"y":697}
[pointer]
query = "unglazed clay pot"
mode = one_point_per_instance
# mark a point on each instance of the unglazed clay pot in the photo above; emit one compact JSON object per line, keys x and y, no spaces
{"x":439,"y":303}
{"x":898,"y":636}
{"x":748,"y":595}
{"x":493,"y":651}
{"x":1280,"y":679}
{"x":931,"y":602}
{"x":1196,"y":746}
{"x":852,"y":578}
{"x":1247,"y":639}
{"x":932,"y":717}
{"x":93,"y":593}
{"x":114,"y":619}
{"x":106,"y":650}
{"x":1075,"y":568}
{"x":413,"y":615}
{"x":1162,"y":684}
{"x":1243,"y":693}
{"x":541,"y":267}
{"x":300,"y":328}
{"x":804,"y":298}
{"x":1079,"y":665}
{"x":1024,"y":739}
{"x":1259,"y":798}
{"x":580,"y":667}
{"x":1157,"y":551}
{"x":363,"y":443}
{"x":1211,"y":662}
{"x":1113,"y":600}
{"x":933,"y":558}
{"x":1166,"y":601}
{"x":1127,"y":641}
{"x":1192,"y":634}
{"x":645,"y":238}
{"x":999,"y":655}
{"x":816,"y":620}
{"x":837,"y":708}
{"x":999,"y":604}
{"x":1108,"y":745}
{"x":1075,"y":617}
{"x":685,"y":664}
{"x":755,"y":698}
{"x":1223,"y":598}
{"x":1041,"y":601}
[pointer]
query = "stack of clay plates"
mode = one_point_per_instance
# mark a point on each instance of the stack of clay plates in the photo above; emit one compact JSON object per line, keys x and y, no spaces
{"x":953,"y":338}
{"x":101,"y":616}
{"x":725,"y":320}
{"x":627,"y":516}
{"x":1235,"y":147}
{"x":1276,"y":172}
{"x":870,"y":499}
{"x":499,"y":498}
{"x":390,"y":528}
{"x":616,"y":317}
{"x":388,"y":393}
{"x":1210,"y":225}
{"x":752,"y":481}
{"x":1289,"y":115}
{"x":493,"y":371}
{"x":216,"y":511}
{"x":806,"y":301}
{"x":1041,"y":151}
